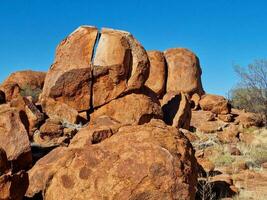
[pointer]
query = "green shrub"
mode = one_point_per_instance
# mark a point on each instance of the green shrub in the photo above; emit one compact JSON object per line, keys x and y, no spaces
{"x":27,"y":90}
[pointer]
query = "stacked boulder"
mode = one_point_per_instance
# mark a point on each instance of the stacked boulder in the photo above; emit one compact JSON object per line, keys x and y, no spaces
{"x":109,"y":120}
{"x":103,"y":121}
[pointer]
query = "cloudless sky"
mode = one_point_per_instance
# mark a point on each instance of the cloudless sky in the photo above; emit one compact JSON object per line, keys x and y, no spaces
{"x":221,"y":32}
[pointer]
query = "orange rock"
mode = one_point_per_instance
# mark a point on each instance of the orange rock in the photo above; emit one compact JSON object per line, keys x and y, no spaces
{"x":205,"y":121}
{"x":69,"y":79}
{"x":158,"y":72}
{"x":229,"y":135}
{"x":248,"y":119}
{"x":22,"y":80}
{"x":206,"y":164}
{"x":176,"y":110}
{"x":184,"y":72}
{"x":130,"y":109}
{"x":195,"y":98}
{"x":154,"y":160}
{"x":30,"y":116}
{"x":226,"y":118}
{"x":214,"y":103}
{"x":14,"y":138}
{"x":60,"y":111}
{"x":191,"y":136}
{"x":120,"y":64}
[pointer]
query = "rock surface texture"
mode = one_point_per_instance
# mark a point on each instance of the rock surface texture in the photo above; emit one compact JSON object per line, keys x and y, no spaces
{"x":158,"y":73}
{"x":14,"y":138}
{"x":111,"y":121}
{"x":120,"y":64}
{"x":154,"y":161}
{"x":22,"y":81}
{"x":69,"y":79}
{"x":184,"y":72}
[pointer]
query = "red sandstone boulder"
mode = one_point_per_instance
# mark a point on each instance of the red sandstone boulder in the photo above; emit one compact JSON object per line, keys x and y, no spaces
{"x":26,"y":82}
{"x":205,"y":121}
{"x":229,"y":135}
{"x":226,"y":118}
{"x":184,"y":72}
{"x":69,"y":79}
{"x":14,"y":138}
{"x":248,"y":119}
{"x":30,"y":116}
{"x":151,"y":161}
{"x":120,"y":64}
{"x":158,"y":72}
{"x":130,"y":109}
{"x":102,"y":128}
{"x":60,"y":111}
{"x":214,"y":103}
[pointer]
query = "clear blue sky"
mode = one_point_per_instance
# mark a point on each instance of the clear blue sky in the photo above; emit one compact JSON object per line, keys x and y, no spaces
{"x":220,"y":32}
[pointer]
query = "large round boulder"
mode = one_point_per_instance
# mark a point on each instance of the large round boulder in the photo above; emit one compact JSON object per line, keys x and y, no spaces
{"x":215,"y":103}
{"x":151,"y":161}
{"x":184,"y":72}
{"x":120,"y":65}
{"x":69,"y":79}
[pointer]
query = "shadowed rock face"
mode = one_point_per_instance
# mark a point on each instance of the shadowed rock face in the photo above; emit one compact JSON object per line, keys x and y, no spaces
{"x":84,"y":81}
{"x":184,"y":72}
{"x":14,"y":138}
{"x":176,"y":110}
{"x":151,"y":160}
{"x":2,"y":97}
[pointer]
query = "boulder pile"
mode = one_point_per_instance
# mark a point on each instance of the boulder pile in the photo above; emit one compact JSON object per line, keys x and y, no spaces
{"x":109,"y":120}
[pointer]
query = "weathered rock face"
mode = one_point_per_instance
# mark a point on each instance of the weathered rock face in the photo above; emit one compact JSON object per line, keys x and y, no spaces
{"x":30,"y":116}
{"x":176,"y":110}
{"x":11,"y":90}
{"x":120,"y":64}
{"x":152,"y":161}
{"x":205,"y":121}
{"x":102,"y":128}
{"x":22,"y":80}
{"x":69,"y":79}
{"x":195,"y":98}
{"x":248,"y":119}
{"x":214,"y":103}
{"x":14,"y":138}
{"x":60,"y":111}
{"x":158,"y":73}
{"x":140,"y":109}
{"x":184,"y":72}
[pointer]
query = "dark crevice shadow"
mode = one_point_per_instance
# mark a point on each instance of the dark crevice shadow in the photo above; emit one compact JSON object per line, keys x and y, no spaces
{"x":166,"y":76}
{"x":92,"y":72}
{"x":170,"y":109}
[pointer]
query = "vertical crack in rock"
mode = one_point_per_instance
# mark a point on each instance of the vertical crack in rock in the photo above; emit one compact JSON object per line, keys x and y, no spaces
{"x":92,"y":72}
